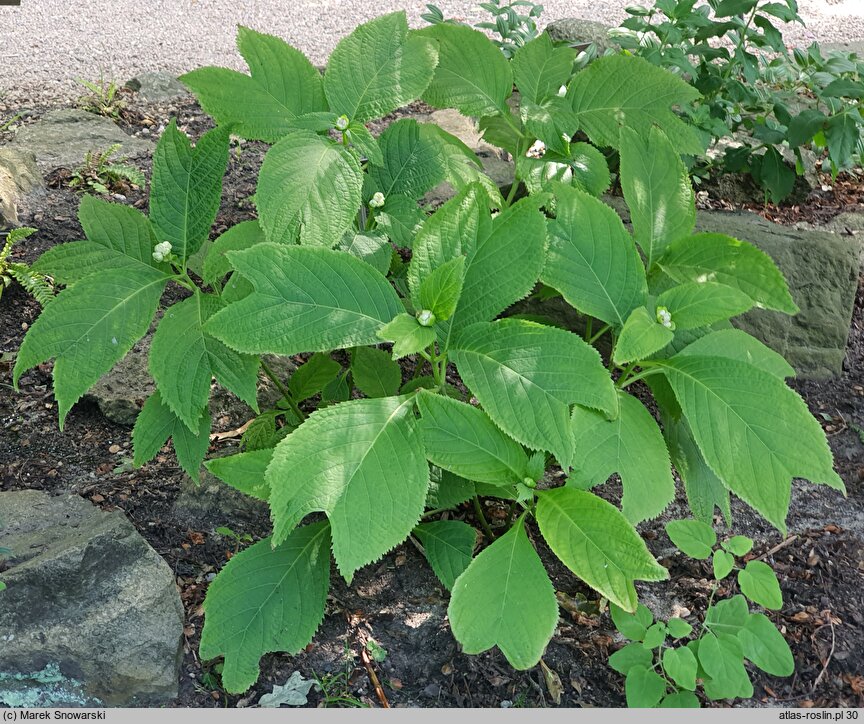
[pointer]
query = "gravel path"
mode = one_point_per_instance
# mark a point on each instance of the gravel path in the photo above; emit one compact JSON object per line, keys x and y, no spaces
{"x":46,"y":44}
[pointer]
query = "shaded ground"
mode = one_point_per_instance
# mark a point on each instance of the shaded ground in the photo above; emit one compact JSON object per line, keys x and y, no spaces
{"x":398,"y":602}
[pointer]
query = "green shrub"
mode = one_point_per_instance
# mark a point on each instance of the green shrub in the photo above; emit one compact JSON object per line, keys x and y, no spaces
{"x":378,"y":446}
{"x":771,"y":104}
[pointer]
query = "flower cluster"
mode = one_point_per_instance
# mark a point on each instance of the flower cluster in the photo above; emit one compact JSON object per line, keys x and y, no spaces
{"x":664,"y":317}
{"x":377,"y":200}
{"x":162,"y":251}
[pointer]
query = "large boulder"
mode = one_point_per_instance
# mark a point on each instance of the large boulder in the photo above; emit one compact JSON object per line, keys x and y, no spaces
{"x":18,"y":177}
{"x":91,"y":612}
{"x":61,"y":139}
{"x":822,"y":270}
{"x":579,"y":33}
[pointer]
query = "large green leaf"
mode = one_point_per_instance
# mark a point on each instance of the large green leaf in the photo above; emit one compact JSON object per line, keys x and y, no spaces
{"x":526,"y":376}
{"x":363,"y":464}
{"x":462,"y":439}
{"x":89,"y":327}
{"x":765,"y":646}
{"x":283,"y":85}
{"x":184,"y":359}
{"x":505,"y":599}
{"x":540,"y":69}
{"x":241,"y":236}
{"x":413,"y":163}
{"x":448,"y":545}
{"x":723,"y":660}
{"x":309,"y":190}
{"x":630,"y":445}
{"x":440,"y":291}
{"x":503,"y":256}
{"x":695,"y":304}
{"x":703,"y":488}
{"x":461,"y":164}
{"x":724,"y":260}
{"x":118,"y":237}
{"x":186,"y":187}
{"x":156,"y":423}
{"x":592,"y":259}
{"x":737,"y":344}
{"x":641,"y":336}
{"x":345,"y":307}
{"x":657,"y":189}
{"x":244,"y":471}
{"x":375,"y":373}
{"x":625,"y":91}
{"x":755,"y":433}
{"x":266,"y":599}
{"x":595,"y":541}
{"x":472,"y":75}
{"x":378,"y":68}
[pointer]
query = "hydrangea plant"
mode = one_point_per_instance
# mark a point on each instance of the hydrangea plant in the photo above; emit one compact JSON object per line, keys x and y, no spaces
{"x":440,"y":394}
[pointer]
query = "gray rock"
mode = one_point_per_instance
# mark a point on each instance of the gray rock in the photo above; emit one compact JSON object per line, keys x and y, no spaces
{"x":123,"y":391}
{"x":212,"y":503}
{"x":61,"y":139}
{"x":847,"y":223}
{"x":822,"y":271}
{"x":91,"y":611}
{"x":580,"y":33}
{"x":19,"y":176}
{"x":156,"y":86}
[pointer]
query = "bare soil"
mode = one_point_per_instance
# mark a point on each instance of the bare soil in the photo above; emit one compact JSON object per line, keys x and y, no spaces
{"x":398,"y":602}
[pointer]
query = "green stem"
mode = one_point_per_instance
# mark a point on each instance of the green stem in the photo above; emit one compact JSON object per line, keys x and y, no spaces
{"x":512,"y":193}
{"x":484,"y":524}
{"x":508,"y":521}
{"x":639,"y":376}
{"x":588,"y":328}
{"x":625,"y":375}
{"x":600,"y":332}
{"x":283,"y":388}
{"x":436,"y":511}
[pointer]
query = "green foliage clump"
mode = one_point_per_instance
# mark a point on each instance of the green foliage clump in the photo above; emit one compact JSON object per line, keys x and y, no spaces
{"x":102,"y":175}
{"x":38,"y":285}
{"x":513,"y":26}
{"x":665,"y":662}
{"x":767,"y":104}
{"x":345,"y":257}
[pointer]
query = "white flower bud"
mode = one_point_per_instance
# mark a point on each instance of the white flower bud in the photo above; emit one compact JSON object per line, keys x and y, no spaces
{"x":342,"y":123}
{"x":664,"y":317}
{"x":562,"y":91}
{"x":537,"y":150}
{"x":161,"y":251}
{"x":377,"y":200}
{"x":425,"y":318}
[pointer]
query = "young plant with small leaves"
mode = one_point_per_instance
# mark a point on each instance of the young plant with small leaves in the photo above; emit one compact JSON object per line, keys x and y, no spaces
{"x":417,"y":391}
{"x":513,"y":26}
{"x":102,"y":175}
{"x":103,"y":97}
{"x":37,"y":285}
{"x":668,"y":661}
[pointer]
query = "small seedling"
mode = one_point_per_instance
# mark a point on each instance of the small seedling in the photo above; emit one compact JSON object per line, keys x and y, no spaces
{"x":100,"y":174}
{"x":668,"y":660}
{"x":103,"y":98}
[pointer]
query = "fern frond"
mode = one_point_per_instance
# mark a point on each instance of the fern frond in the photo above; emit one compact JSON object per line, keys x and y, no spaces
{"x":35,"y":284}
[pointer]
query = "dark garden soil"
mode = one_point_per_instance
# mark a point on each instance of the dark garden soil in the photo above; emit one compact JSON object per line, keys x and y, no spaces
{"x":398,"y":602}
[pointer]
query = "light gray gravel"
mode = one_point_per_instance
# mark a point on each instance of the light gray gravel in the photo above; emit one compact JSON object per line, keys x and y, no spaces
{"x":46,"y":44}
